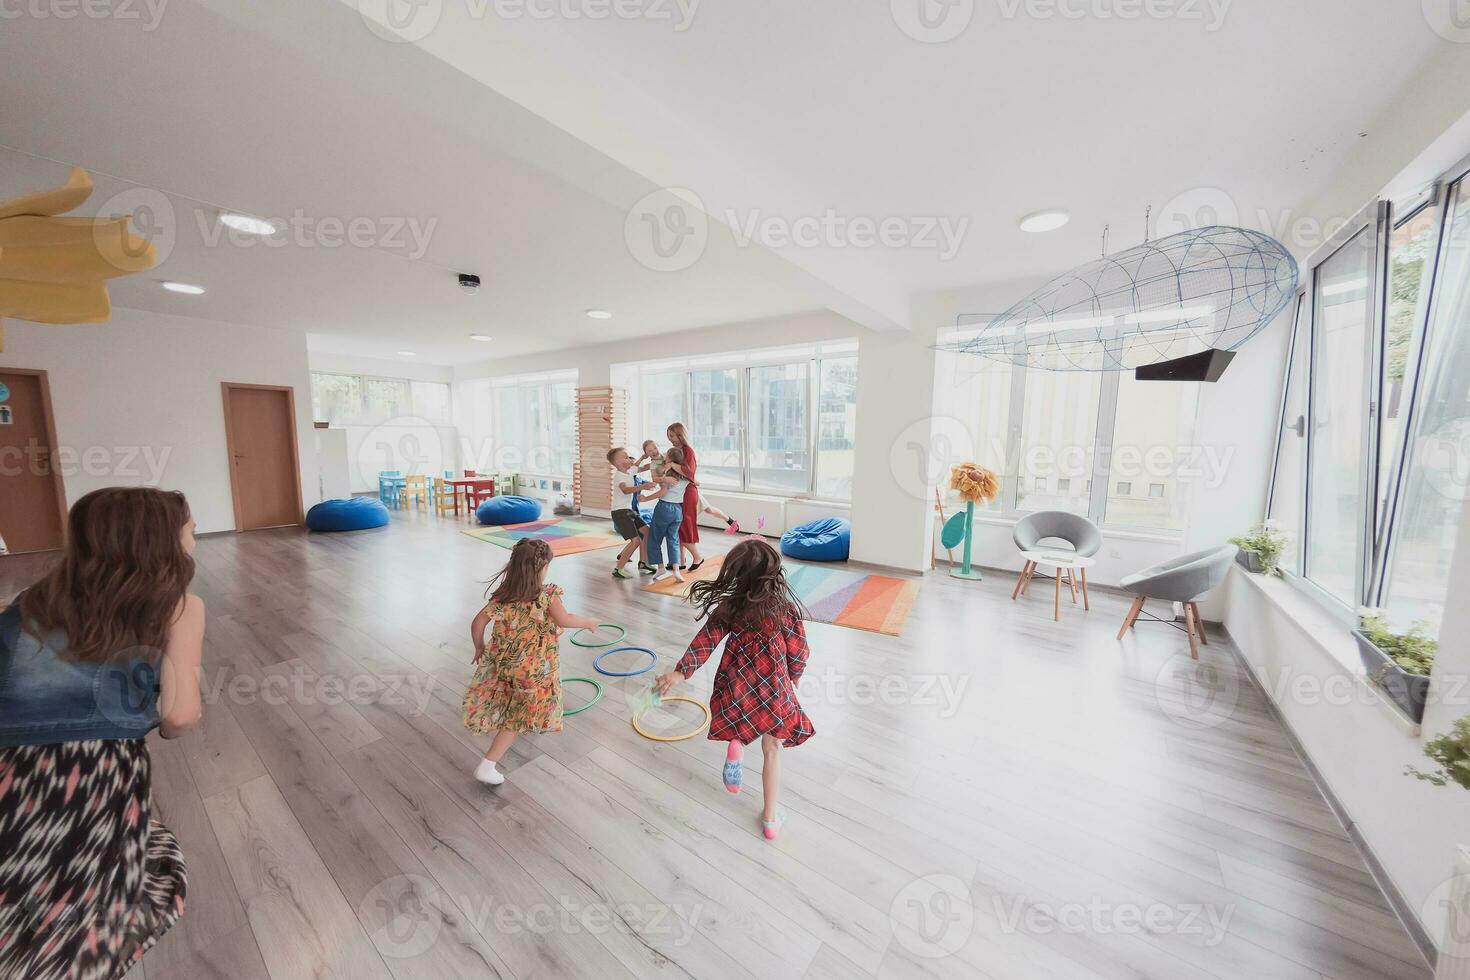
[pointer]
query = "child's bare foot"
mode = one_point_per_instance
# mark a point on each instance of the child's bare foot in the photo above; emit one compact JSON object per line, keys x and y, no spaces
{"x":677,"y":576}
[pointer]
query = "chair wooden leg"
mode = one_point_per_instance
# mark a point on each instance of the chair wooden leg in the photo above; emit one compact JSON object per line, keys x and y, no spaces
{"x":1056,"y":613}
{"x":1189,"y":628}
{"x":1072,"y":583}
{"x":1021,"y":580}
{"x":1030,"y":574}
{"x":1199,"y":624}
{"x":1133,"y":612}
{"x":1085,"y":604}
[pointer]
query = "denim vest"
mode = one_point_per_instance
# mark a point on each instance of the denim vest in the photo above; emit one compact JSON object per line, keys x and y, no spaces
{"x":47,"y":698}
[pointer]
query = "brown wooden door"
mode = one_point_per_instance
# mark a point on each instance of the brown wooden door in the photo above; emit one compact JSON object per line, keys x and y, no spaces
{"x":260,"y":429}
{"x":32,"y":503}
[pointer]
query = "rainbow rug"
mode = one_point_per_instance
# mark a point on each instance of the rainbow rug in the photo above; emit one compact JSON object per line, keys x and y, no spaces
{"x":567,"y":536}
{"x":877,"y":603}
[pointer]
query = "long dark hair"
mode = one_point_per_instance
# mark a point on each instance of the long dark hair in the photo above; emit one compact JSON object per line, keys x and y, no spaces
{"x":122,"y":577}
{"x":751,"y":588}
{"x":520,"y":579}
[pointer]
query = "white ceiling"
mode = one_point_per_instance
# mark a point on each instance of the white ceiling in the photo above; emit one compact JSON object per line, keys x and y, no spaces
{"x":526,"y":140}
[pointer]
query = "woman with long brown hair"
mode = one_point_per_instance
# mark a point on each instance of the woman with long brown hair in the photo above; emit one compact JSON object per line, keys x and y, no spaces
{"x":689,"y":526}
{"x":96,"y":654}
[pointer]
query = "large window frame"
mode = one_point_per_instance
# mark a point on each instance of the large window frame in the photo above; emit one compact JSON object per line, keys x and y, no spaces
{"x":1381,"y":482}
{"x":1098,"y":474}
{"x":812,"y":357}
{"x":365,"y":417}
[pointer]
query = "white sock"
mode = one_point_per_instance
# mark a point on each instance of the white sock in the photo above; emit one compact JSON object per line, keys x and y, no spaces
{"x":487,"y":772}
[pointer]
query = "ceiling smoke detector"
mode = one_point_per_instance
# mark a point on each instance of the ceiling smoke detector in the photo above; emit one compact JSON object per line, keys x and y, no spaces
{"x":469,"y":282}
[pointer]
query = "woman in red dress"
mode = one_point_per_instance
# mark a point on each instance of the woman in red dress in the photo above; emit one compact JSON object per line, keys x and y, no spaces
{"x":751,"y":607}
{"x":689,"y":529}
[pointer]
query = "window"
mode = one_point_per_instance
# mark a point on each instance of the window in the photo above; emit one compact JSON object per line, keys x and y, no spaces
{"x":1152,"y":439}
{"x":1049,"y":434}
{"x":1058,"y":432}
{"x":1372,"y":496}
{"x":778,"y":421}
{"x":714,"y":426}
{"x":836,"y":427}
{"x":1437,"y":473}
{"x":533,"y":425}
{"x":1342,"y":324}
{"x":345,"y":399}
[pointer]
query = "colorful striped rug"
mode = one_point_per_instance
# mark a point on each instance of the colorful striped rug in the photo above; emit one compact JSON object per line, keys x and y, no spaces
{"x":567,"y":536}
{"x":877,"y":603}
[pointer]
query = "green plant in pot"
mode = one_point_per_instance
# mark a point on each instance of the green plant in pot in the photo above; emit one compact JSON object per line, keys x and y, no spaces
{"x":1399,"y":663}
{"x":1260,"y":550}
{"x":1452,"y":752}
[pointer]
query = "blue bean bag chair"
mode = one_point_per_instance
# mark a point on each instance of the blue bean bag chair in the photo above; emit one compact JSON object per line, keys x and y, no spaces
{"x":352,"y":514}
{"x":508,"y":510}
{"x":826,"y":539}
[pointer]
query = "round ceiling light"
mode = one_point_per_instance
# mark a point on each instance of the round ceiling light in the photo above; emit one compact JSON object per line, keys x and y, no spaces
{"x":408,"y":353}
{"x":247,"y":224}
{"x":187,"y":288}
{"x":482,"y":337}
{"x":599,"y":314}
{"x":1050,"y":220}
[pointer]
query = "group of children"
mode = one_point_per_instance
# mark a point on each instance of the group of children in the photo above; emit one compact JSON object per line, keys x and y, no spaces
{"x":750,"y":606}
{"x":657,"y":540}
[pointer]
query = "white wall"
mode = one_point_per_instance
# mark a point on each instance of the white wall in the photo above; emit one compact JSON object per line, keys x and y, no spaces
{"x":137,"y":400}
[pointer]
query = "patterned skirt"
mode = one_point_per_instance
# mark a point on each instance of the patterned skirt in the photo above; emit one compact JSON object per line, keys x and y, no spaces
{"x":88,"y":883}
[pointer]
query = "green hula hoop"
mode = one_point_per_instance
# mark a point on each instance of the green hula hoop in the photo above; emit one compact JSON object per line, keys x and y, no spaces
{"x":617,"y":639}
{"x":596,"y":696}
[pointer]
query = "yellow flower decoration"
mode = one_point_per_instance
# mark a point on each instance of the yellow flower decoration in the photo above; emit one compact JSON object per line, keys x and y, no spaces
{"x":973,"y":482}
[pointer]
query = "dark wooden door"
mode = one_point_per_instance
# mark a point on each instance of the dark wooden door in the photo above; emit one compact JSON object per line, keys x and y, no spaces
{"x":260,"y":428}
{"x":32,"y":505}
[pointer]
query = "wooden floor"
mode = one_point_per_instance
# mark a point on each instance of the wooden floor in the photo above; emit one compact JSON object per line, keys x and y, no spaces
{"x":992,"y":794}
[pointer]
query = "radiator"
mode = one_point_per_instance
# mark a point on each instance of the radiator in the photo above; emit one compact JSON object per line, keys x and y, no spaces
{"x":1454,"y":946}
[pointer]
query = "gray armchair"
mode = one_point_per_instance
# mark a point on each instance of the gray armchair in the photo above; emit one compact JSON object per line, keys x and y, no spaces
{"x":1183,"y":579}
{"x":1077,"y":531}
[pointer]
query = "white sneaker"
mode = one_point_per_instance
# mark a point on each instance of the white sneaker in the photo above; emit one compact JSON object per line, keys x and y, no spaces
{"x":488,"y":773}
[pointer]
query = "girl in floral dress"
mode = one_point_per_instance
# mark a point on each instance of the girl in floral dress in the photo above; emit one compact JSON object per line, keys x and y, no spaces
{"x":516,"y":689}
{"x":750,"y":605}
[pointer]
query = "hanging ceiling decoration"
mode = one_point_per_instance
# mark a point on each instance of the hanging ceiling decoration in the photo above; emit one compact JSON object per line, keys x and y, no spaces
{"x":1207,"y":288}
{"x":55,"y":269}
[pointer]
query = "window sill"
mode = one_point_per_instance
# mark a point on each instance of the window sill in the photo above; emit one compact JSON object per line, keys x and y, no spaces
{"x":1326,"y":633}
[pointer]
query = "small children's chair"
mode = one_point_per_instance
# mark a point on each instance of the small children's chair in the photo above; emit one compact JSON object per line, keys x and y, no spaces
{"x":415,"y":489}
{"x":390,"y":485}
{"x":444,"y":496}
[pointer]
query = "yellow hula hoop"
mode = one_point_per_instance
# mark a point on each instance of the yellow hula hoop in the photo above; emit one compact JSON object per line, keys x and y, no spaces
{"x":677,"y":738}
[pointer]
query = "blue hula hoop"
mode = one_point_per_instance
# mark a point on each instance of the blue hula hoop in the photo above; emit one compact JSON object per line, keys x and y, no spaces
{"x":597,"y":662}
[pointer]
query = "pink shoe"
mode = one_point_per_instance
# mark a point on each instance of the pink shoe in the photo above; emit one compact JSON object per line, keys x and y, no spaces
{"x":773,"y":827}
{"x":733,"y":527}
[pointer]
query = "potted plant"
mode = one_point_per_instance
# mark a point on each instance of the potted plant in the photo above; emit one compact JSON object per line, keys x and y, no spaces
{"x":1397,"y":662}
{"x":1260,"y":550}
{"x":1452,"y":751}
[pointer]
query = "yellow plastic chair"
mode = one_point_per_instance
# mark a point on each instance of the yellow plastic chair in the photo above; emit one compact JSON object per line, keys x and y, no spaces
{"x":416,"y":488}
{"x":443,"y":496}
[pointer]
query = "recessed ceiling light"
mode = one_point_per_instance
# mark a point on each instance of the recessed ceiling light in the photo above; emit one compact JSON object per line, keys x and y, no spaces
{"x":599,"y":314}
{"x":408,"y":353}
{"x":1045,"y":220}
{"x":187,"y":288}
{"x":483,"y":338}
{"x":249,"y":225}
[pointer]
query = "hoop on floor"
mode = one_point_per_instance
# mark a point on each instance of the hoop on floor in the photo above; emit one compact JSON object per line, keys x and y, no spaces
{"x":597,"y":662}
{"x":677,"y":738}
{"x":617,"y":639}
{"x":596,"y":694}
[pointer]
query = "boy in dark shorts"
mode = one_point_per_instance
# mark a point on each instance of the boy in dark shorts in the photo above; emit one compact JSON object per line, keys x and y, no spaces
{"x":627,"y":520}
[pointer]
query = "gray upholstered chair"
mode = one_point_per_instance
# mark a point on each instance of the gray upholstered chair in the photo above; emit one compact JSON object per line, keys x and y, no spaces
{"x":1183,"y":579}
{"x":1077,"y":531}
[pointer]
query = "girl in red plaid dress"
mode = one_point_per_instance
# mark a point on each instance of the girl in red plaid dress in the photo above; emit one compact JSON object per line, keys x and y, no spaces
{"x":751,"y":606}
